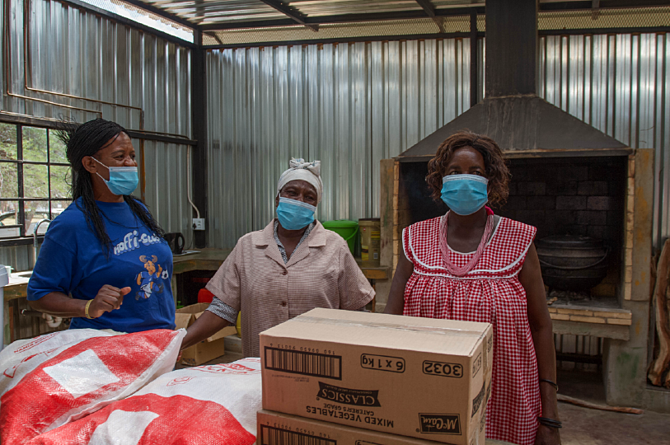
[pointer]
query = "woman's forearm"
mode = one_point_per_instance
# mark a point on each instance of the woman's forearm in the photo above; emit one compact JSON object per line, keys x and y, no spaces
{"x":205,"y":326}
{"x":396,"y":299}
{"x":59,"y":304}
{"x":543,"y":340}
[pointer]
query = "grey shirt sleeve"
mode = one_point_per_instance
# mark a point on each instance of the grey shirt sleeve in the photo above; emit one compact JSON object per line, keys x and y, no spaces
{"x":222,"y":310}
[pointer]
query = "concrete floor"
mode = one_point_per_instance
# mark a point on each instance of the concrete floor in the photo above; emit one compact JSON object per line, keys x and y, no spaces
{"x":584,"y":426}
{"x":581,"y":426}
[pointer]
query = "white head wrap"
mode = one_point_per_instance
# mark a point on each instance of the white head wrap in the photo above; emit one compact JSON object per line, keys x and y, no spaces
{"x":299,"y":170}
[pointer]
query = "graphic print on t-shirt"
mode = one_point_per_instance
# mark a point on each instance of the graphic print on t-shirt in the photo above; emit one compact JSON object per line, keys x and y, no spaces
{"x":151,"y":279}
{"x":133,"y":240}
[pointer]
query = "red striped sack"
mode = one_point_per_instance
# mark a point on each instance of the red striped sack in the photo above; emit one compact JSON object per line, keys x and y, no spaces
{"x":83,"y":378}
{"x":214,"y":404}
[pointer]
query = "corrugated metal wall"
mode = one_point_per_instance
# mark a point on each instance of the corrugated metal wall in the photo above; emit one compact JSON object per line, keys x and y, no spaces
{"x":79,"y":53}
{"x":351,"y":105}
{"x":348,"y":105}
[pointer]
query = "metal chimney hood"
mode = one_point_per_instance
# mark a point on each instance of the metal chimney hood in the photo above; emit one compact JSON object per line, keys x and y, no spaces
{"x":522,"y":123}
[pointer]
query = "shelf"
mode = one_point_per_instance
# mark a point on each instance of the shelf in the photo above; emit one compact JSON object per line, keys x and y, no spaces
{"x":595,"y":319}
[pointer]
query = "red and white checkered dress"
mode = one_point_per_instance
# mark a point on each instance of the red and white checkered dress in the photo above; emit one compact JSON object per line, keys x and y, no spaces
{"x":490,"y":292}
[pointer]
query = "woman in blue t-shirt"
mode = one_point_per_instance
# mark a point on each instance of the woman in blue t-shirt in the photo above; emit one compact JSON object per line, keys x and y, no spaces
{"x":104,"y":261}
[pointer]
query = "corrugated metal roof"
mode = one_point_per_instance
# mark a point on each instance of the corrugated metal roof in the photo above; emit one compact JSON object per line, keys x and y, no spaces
{"x":202,"y":12}
{"x":207,"y":12}
{"x":232,"y":23}
{"x":229,"y":13}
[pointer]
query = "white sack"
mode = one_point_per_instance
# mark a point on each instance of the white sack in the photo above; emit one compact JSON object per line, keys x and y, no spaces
{"x":214,"y":404}
{"x":80,"y":377}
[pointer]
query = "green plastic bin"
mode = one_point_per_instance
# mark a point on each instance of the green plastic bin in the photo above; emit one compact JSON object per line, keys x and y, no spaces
{"x":346,"y":229}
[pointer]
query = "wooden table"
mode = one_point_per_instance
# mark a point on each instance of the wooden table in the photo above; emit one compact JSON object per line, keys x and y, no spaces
{"x":205,"y":259}
{"x":17,"y":287}
{"x":14,"y":292}
{"x":211,"y":259}
{"x":374,"y":273}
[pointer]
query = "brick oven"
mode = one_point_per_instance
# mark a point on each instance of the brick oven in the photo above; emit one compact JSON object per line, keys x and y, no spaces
{"x":567,"y":178}
{"x":605,"y":196}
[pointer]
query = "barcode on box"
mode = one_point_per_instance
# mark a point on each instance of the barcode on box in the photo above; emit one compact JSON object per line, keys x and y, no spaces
{"x":278,"y":436}
{"x":305,"y":363}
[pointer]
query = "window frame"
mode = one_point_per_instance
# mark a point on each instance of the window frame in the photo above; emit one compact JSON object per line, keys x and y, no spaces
{"x":21,"y":197}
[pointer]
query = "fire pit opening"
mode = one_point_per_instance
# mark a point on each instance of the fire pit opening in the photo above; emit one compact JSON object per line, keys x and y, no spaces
{"x":578,"y":196}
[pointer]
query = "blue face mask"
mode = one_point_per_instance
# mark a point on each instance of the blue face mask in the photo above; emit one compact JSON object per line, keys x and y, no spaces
{"x":464,"y":194}
{"x":294,"y":215}
{"x":122,"y":180}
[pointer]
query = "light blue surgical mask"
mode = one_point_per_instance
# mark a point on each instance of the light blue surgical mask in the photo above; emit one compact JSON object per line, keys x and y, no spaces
{"x":122,"y":180}
{"x":294,"y":215}
{"x":464,"y":194}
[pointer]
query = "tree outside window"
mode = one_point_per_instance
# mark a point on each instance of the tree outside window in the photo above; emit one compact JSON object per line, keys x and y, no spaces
{"x":35,"y":178}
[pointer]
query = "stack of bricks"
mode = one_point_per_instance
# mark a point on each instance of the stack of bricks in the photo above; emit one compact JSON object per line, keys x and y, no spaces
{"x":576,"y":196}
{"x":396,"y":214}
{"x":595,"y":315}
{"x":629,"y":226}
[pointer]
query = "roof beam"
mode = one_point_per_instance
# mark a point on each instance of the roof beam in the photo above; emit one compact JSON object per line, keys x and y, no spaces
{"x":214,"y":36}
{"x":162,"y":12}
{"x":291,"y":13}
{"x":430,"y":11}
{"x":572,"y":5}
{"x":128,"y":22}
{"x":344,"y":18}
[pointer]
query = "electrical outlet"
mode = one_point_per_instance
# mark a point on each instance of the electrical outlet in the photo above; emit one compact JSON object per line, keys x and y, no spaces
{"x":198,"y":223}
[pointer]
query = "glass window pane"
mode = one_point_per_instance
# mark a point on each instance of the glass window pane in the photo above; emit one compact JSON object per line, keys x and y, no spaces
{"x":35,"y":181}
{"x":35,"y":212}
{"x":57,"y":207}
{"x":61,"y":181}
{"x":57,"y":148}
{"x":8,"y":219}
{"x":9,"y":211}
{"x":34,"y":144}
{"x":8,"y":141}
{"x":9,"y":185}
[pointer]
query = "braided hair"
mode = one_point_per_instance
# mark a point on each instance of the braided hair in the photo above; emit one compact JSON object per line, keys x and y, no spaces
{"x":86,"y":140}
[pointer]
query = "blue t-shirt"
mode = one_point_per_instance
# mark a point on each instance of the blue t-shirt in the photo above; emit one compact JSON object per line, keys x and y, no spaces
{"x":73,"y":261}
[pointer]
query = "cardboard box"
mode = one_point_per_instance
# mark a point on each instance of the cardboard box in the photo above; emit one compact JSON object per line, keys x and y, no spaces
{"x":410,"y":376}
{"x":284,"y":429}
{"x":208,"y":349}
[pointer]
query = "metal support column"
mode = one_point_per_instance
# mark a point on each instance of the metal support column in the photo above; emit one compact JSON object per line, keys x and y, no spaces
{"x":474,"y":68}
{"x":199,"y":122}
{"x":511,"y":48}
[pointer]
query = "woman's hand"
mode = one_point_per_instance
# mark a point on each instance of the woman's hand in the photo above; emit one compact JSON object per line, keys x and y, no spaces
{"x":108,"y":299}
{"x":547,"y":436}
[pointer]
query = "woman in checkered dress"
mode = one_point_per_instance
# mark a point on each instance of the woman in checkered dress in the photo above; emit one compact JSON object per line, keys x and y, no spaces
{"x":476,"y":266}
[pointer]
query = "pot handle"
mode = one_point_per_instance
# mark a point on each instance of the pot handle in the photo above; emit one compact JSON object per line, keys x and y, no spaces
{"x":607,"y":251}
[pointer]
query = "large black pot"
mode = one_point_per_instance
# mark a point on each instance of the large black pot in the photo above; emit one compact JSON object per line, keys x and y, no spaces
{"x":575,"y":263}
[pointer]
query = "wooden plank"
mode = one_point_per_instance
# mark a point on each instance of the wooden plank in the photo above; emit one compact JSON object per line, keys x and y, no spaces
{"x":16,"y":331}
{"x":615,"y":332}
{"x":15,"y":291}
{"x":376,"y":273}
{"x":386,"y":211}
{"x":206,"y":259}
{"x":662,"y":318}
{"x":642,"y":226}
